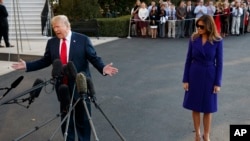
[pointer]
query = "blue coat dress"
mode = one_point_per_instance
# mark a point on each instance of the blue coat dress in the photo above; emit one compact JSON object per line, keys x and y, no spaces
{"x":203,"y":71}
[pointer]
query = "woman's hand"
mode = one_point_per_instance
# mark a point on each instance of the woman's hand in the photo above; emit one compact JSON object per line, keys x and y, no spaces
{"x":216,"y":89}
{"x":185,"y":86}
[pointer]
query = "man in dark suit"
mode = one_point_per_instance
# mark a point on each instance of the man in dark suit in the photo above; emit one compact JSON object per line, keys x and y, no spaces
{"x":80,"y":51}
{"x":189,"y":24}
{"x":4,"y":26}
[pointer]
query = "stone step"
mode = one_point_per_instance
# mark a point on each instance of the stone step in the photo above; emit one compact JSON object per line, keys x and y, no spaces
{"x":29,"y":12}
{"x":24,"y":2}
{"x":30,"y":38}
{"x":27,"y":22}
{"x":26,"y":26}
{"x":26,"y":30}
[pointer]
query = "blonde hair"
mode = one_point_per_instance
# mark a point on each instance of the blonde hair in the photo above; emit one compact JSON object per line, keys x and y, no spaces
{"x":210,"y":28}
{"x":61,"y":18}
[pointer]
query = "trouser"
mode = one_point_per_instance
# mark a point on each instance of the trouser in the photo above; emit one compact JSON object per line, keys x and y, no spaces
{"x":133,"y":29}
{"x":171,"y":28}
{"x":79,"y":121}
{"x":225,"y":26}
{"x":180,"y":28}
{"x":189,"y":27}
{"x":235,"y":29}
{"x":162,"y":30}
{"x":4,"y":32}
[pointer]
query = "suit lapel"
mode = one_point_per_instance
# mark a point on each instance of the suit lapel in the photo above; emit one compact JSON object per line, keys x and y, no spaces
{"x":72,"y":46}
{"x":57,"y":48}
{"x":201,"y":46}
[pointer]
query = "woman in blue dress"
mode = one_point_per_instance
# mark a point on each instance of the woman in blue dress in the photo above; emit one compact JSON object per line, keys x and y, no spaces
{"x":203,"y":74}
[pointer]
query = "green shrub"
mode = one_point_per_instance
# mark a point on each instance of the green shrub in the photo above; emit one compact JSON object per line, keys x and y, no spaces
{"x":114,"y":27}
{"x":108,"y":27}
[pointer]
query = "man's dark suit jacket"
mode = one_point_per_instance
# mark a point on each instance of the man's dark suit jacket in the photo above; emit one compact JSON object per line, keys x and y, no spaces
{"x":81,"y":51}
{"x":190,"y":14}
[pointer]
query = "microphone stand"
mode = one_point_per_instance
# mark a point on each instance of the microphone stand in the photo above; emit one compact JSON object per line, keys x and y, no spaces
{"x":8,"y":101}
{"x":37,"y":127}
{"x":105,"y":116}
{"x":69,"y":113}
{"x":63,"y":120}
{"x":83,"y":98}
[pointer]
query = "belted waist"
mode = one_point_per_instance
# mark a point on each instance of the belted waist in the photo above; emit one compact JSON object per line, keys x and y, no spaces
{"x":203,"y":63}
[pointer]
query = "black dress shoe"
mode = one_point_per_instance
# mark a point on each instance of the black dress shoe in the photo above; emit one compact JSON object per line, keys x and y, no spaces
{"x":11,"y":46}
{"x":1,"y":46}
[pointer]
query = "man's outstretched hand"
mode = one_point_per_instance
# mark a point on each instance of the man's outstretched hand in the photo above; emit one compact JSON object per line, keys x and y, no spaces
{"x":21,"y":65}
{"x":110,"y":70}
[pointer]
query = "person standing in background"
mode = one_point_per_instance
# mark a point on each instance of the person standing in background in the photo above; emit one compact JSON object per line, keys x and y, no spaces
{"x":203,"y":75}
{"x":211,"y":8}
{"x":225,"y":20}
{"x":236,"y":14}
{"x":153,"y":4}
{"x":200,"y":10}
{"x":143,"y":15}
{"x":4,"y":25}
{"x":153,"y":25}
{"x":181,"y":15}
{"x":135,"y":18}
{"x":189,"y":28}
{"x":248,"y":10}
{"x":217,"y":17}
{"x":171,"y":16}
{"x":162,"y":23}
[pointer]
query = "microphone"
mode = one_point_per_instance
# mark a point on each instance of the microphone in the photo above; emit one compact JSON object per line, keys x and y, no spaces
{"x":35,"y":93}
{"x":13,"y":85}
{"x":57,"y":69}
{"x":91,"y":88}
{"x":63,"y":90}
{"x":16,"y":82}
{"x":81,"y":83}
{"x":72,"y":72}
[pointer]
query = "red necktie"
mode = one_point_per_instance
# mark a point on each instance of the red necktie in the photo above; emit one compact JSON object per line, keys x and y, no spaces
{"x":63,"y":57}
{"x":64,"y":52}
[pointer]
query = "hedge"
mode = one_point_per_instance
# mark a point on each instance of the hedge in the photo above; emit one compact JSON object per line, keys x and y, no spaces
{"x":111,"y":27}
{"x":114,"y":27}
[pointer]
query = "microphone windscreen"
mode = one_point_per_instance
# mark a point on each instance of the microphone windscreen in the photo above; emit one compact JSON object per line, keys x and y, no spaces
{"x":90,"y":86}
{"x":65,"y":70}
{"x":81,"y":83}
{"x":35,"y":93}
{"x":16,"y":82}
{"x":63,"y":91}
{"x":72,"y":70}
{"x":57,"y":68}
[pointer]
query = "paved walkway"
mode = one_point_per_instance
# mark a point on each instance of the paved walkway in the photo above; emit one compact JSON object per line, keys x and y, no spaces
{"x":36,"y":47}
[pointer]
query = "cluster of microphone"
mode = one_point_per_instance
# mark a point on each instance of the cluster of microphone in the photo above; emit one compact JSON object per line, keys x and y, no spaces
{"x":59,"y":71}
{"x":83,"y":84}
